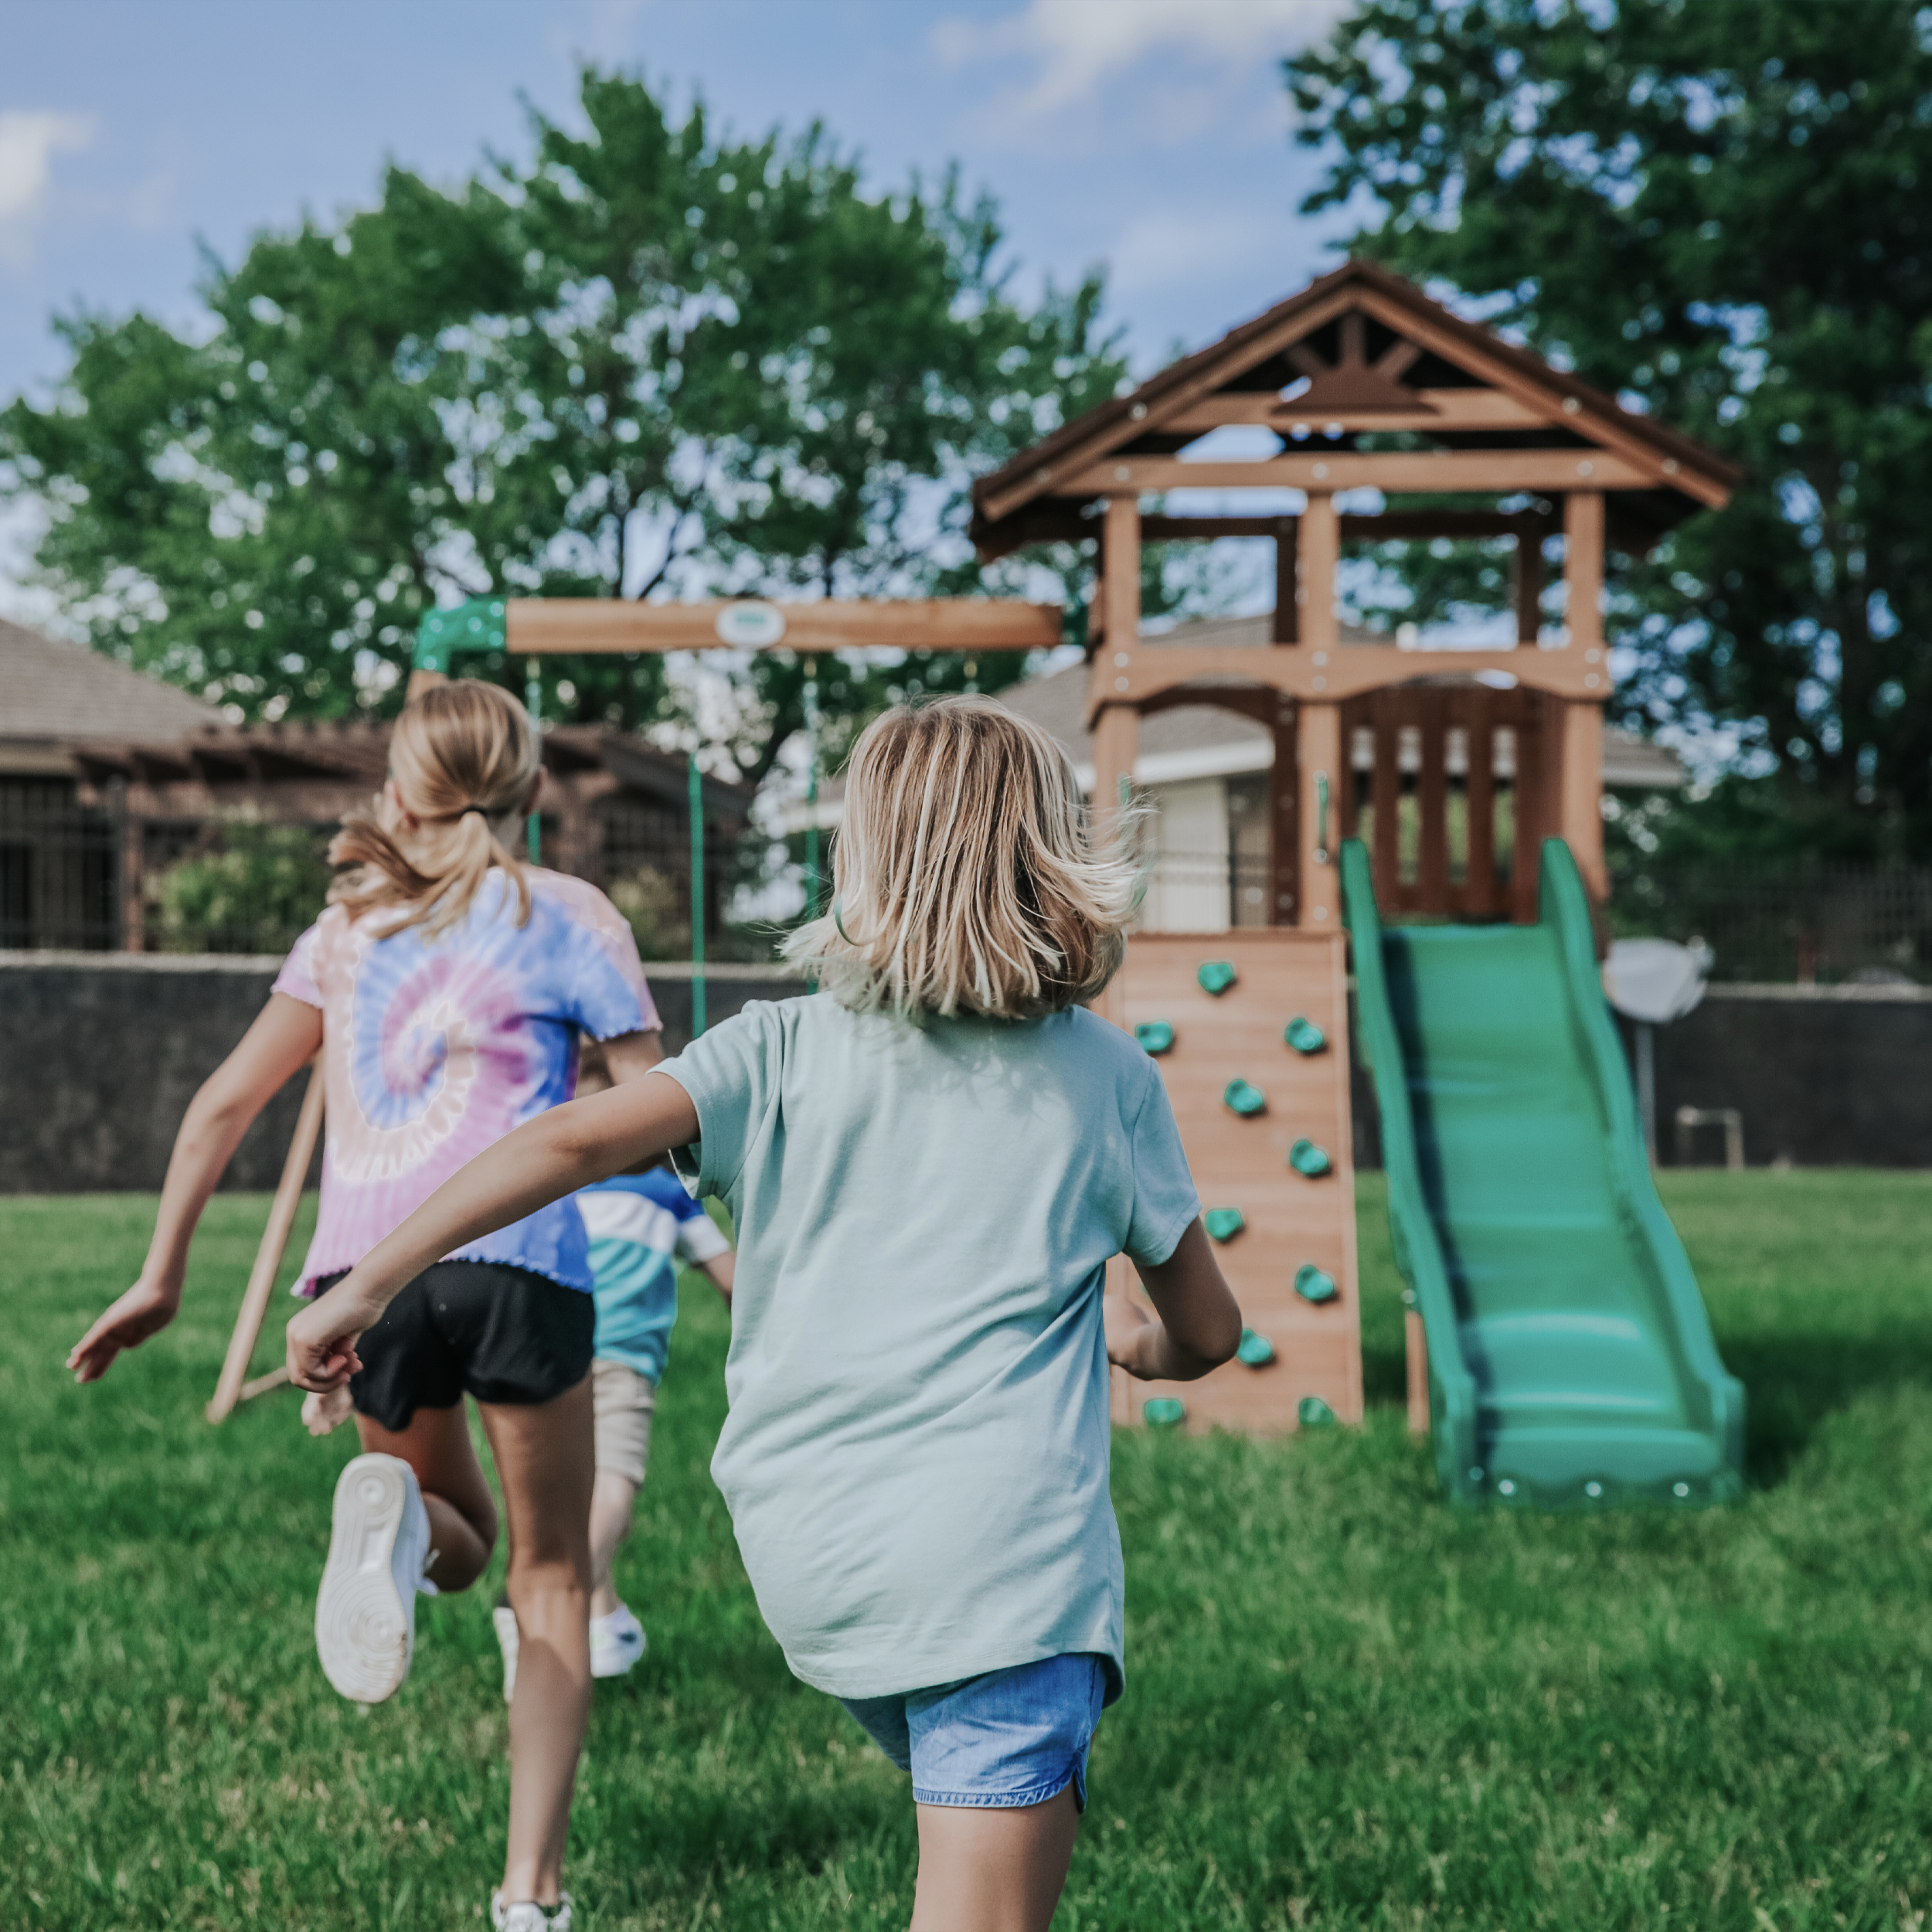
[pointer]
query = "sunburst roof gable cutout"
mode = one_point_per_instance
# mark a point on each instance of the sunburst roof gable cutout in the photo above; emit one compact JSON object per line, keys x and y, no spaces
{"x":1352,"y":383}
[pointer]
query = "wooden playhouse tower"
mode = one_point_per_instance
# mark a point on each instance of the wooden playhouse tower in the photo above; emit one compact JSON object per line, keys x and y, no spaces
{"x":1454,"y":767}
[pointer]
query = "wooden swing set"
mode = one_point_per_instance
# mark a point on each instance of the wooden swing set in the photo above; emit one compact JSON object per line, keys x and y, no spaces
{"x":1363,"y":384}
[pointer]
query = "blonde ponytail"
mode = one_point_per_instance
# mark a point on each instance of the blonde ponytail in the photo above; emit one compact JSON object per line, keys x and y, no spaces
{"x":463,"y":755}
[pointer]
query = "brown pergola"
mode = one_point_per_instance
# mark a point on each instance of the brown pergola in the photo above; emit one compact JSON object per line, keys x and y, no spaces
{"x":1454,"y":411}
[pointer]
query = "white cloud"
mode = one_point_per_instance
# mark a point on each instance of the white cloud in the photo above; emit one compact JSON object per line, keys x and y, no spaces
{"x":1078,"y":44}
{"x":29,"y":139}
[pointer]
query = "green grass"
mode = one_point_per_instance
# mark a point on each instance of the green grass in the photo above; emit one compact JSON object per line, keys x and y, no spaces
{"x":1349,"y":1704}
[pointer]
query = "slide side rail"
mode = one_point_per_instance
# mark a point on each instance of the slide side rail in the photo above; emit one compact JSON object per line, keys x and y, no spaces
{"x":1452,"y":1389}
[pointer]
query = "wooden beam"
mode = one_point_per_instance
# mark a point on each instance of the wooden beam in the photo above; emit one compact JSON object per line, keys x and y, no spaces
{"x":1434,"y":408}
{"x":1120,"y":574}
{"x":1485,"y":472}
{"x":538,"y":627}
{"x":1397,"y":526}
{"x":1615,"y":436}
{"x":1320,"y":552}
{"x":1307,"y":671}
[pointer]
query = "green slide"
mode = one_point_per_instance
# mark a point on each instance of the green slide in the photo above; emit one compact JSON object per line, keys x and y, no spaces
{"x":1570,"y":1359}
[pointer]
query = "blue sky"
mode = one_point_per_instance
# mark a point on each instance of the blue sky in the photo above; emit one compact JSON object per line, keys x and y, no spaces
{"x":1151,"y":135}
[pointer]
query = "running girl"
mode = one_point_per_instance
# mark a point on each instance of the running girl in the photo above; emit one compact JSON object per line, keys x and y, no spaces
{"x":445,"y":987}
{"x":927,"y":1172}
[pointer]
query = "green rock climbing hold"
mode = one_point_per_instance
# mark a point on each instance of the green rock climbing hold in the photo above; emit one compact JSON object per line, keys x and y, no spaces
{"x":1305,"y":1158}
{"x":1314,"y":1284}
{"x":1224,"y":1223}
{"x":1256,"y":1350}
{"x":1304,"y":1036}
{"x":1216,"y":976}
{"x":1245,"y":1099}
{"x":1155,"y":1035}
{"x":1163,"y":1412}
{"x":1311,"y":1411}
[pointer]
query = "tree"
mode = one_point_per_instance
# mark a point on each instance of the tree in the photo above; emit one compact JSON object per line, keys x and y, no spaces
{"x":1716,"y":209}
{"x":646,"y":358}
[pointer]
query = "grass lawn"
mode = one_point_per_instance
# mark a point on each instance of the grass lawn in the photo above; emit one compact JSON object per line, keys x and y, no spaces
{"x":1349,"y":1704}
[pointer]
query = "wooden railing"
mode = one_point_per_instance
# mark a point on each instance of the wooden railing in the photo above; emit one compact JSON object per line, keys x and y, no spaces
{"x":1448,"y":833}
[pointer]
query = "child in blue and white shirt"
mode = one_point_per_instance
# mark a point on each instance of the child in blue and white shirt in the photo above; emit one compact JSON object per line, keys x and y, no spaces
{"x":643,"y":1227}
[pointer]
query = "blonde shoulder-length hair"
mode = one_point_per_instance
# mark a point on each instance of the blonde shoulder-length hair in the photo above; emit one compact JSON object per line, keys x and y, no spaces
{"x":462,"y":756}
{"x":964,"y":876}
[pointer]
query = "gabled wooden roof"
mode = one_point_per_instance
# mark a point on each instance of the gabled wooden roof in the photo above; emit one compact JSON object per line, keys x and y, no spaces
{"x":1366,"y":347}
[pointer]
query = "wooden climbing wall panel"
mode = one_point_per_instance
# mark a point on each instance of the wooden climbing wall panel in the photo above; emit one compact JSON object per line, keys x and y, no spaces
{"x":1243,"y":1162}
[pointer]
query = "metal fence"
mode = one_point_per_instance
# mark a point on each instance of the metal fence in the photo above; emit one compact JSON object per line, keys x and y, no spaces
{"x":1851,"y":924}
{"x":94,"y":878}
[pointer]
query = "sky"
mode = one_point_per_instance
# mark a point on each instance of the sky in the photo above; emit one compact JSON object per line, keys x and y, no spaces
{"x":1151,"y":136}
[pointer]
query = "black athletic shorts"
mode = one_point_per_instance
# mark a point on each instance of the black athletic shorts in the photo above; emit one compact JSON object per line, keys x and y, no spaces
{"x":476,"y":1327}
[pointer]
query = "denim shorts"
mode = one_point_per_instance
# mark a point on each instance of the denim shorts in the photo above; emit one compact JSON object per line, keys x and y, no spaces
{"x":1010,"y":1738}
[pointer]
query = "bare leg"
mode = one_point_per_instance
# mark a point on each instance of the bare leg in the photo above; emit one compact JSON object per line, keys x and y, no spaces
{"x":546,"y":1464}
{"x":462,"y":1512}
{"x":993,"y":1869}
{"x":611,"y":1502}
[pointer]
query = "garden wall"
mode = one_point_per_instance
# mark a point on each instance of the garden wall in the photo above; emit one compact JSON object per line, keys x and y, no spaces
{"x":100,"y":1052}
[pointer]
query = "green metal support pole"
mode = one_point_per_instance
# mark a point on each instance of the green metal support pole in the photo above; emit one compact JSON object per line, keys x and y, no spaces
{"x":695,"y":785}
{"x":812,"y":886}
{"x":533,"y":703}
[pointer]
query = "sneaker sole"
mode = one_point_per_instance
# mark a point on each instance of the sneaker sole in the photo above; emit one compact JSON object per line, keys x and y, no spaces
{"x":362,"y":1628}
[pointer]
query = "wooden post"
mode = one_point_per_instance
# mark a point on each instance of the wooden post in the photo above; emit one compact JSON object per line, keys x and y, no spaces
{"x":1580,"y":808}
{"x":1432,"y":802}
{"x":1287,"y":628}
{"x":1529,"y":578}
{"x":1385,"y":794}
{"x":1417,"y":1343}
{"x":1479,"y":797}
{"x":1323,"y":769}
{"x":1583,"y":569}
{"x":1321,"y":552}
{"x":1117,"y":730}
{"x":1284,"y":848}
{"x":268,"y":1257}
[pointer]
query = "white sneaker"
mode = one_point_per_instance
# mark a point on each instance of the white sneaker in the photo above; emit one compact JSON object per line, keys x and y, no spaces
{"x":365,"y":1614}
{"x":504,"y":1619}
{"x":617,"y":1641}
{"x":526,"y":1916}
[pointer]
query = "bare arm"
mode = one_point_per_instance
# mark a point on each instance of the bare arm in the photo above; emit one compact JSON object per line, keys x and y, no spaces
{"x":284,"y":1039}
{"x":632,"y":1056}
{"x":722,"y":1270}
{"x":553,"y":1156}
{"x":1200,"y":1323}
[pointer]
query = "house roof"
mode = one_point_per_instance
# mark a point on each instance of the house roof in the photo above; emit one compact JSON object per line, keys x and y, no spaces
{"x":1270,"y":352}
{"x":52,"y":691}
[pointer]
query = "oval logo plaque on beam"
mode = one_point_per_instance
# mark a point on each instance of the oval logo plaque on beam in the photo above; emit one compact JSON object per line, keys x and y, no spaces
{"x":751,"y":624}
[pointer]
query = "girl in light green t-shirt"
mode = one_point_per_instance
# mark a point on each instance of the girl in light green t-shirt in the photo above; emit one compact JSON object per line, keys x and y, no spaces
{"x":928,"y":1166}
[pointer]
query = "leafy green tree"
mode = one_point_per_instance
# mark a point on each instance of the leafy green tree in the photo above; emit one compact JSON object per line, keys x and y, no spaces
{"x":1716,"y":207}
{"x":645,"y":359}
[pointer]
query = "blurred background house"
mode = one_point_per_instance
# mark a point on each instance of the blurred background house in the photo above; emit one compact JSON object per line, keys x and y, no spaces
{"x":133,"y":818}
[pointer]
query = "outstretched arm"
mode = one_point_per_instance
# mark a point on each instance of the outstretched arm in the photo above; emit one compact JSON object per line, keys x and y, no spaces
{"x":1200,"y":1321}
{"x":284,"y":1039}
{"x":553,"y":1156}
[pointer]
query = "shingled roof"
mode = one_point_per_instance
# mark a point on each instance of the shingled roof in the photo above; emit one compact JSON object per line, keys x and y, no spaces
{"x":62,"y":692}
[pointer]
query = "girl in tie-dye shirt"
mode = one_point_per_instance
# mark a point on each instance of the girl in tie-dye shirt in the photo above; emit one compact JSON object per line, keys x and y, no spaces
{"x":445,"y":989}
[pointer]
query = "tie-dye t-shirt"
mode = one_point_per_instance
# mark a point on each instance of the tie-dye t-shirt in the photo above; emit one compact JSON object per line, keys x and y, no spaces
{"x":434,"y":1048}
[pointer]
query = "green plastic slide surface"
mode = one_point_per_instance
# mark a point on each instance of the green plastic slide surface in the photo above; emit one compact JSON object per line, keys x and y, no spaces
{"x":1570,"y":1359}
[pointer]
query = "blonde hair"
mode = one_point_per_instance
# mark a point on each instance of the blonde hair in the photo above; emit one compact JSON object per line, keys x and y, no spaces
{"x":462,"y":756}
{"x":964,"y":876}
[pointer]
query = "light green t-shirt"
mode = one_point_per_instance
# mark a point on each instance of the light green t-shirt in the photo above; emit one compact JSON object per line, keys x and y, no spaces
{"x":915,"y":1458}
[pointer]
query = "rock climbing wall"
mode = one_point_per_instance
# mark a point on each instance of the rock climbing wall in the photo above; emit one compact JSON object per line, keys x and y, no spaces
{"x":1267,"y":1134}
